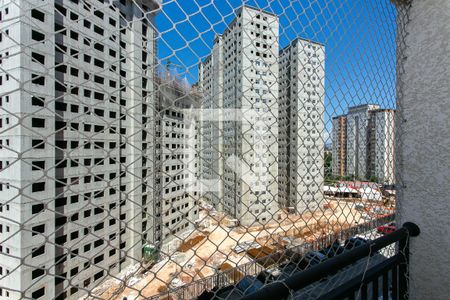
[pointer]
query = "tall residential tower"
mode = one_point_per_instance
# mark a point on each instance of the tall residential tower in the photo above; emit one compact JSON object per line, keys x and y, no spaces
{"x":177,"y":161}
{"x":382,"y":146}
{"x":301,"y":125}
{"x":76,"y":103}
{"x":358,"y":139}
{"x":338,"y":152}
{"x":240,"y":79}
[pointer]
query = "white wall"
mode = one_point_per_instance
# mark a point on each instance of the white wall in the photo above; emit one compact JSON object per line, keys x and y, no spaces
{"x":424,"y":133}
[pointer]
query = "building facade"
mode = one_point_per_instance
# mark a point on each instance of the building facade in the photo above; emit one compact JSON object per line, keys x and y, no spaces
{"x":81,"y":91}
{"x":211,"y":86}
{"x":338,"y":152}
{"x":301,"y":125}
{"x":245,"y":56}
{"x":382,"y":135}
{"x":363,"y":144}
{"x":177,"y":161}
{"x":358,"y":140}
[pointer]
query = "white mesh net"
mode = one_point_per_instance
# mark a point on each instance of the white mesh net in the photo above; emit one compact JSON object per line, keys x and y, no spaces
{"x":169,"y":149}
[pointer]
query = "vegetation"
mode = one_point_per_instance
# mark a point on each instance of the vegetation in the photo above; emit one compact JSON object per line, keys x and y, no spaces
{"x":374,"y":179}
{"x":328,"y":160}
{"x":330,"y":179}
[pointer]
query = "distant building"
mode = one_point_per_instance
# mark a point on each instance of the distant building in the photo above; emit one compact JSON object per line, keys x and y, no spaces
{"x":242,"y":74}
{"x":363,"y":144}
{"x":301,"y":125}
{"x":358,"y":139}
{"x":339,"y":148}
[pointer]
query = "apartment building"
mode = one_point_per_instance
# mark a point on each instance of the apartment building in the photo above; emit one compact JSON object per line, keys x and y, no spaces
{"x":338,"y":152}
{"x":301,"y":125}
{"x":364,"y":139}
{"x":358,"y":139}
{"x":177,"y":160}
{"x":381,"y":146}
{"x":211,"y":86}
{"x":244,"y":59}
{"x":76,"y":89}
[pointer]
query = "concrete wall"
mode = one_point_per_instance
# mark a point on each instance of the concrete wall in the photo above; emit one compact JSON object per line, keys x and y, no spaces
{"x":424,"y":138}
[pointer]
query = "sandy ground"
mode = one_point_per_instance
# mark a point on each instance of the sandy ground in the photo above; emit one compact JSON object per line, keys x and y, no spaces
{"x":205,"y":257}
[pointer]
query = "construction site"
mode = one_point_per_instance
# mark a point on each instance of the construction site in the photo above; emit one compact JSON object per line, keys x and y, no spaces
{"x":218,"y":246}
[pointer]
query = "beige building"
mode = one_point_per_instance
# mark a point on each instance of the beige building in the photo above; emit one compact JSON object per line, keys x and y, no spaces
{"x":364,"y":140}
{"x":358,"y":140}
{"x":338,"y":152}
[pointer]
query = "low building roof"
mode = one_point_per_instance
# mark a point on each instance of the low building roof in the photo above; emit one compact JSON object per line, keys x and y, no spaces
{"x":341,"y":189}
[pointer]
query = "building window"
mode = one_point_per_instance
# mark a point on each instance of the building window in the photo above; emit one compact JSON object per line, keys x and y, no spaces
{"x":38,"y":15}
{"x":37,"y":101}
{"x":37,"y":36}
{"x":38,"y":165}
{"x":38,"y":293}
{"x":38,"y":122}
{"x":37,"y":273}
{"x":38,"y":229}
{"x":38,"y":144}
{"x":37,"y":79}
{"x":38,"y":251}
{"x":38,"y":187}
{"x":37,"y":208}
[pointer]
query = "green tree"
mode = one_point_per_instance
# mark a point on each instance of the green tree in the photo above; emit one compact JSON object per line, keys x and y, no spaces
{"x":373,"y":179}
{"x":328,"y":161}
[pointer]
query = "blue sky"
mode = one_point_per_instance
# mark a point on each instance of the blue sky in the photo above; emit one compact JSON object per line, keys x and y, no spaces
{"x":359,"y":39}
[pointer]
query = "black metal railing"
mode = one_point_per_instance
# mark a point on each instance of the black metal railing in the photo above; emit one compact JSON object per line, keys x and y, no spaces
{"x":388,"y":278}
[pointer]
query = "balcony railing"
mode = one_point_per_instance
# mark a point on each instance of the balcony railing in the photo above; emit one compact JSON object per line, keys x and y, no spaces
{"x":363,"y":272}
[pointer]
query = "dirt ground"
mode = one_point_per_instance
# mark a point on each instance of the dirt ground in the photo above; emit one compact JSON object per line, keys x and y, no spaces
{"x":203,"y":254}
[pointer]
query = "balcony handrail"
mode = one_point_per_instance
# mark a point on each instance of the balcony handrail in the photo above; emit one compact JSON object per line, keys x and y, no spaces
{"x":364,"y":279}
{"x":282,"y":289}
